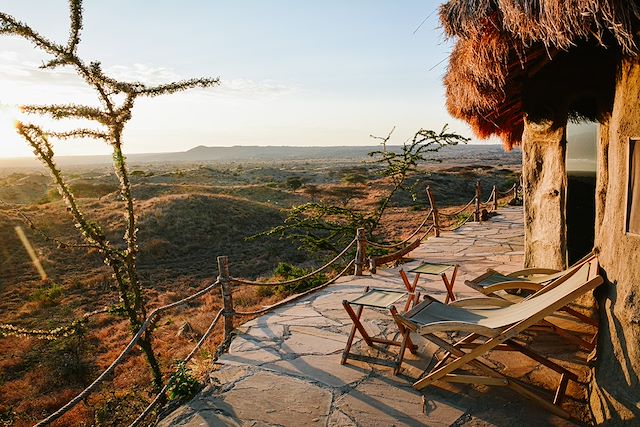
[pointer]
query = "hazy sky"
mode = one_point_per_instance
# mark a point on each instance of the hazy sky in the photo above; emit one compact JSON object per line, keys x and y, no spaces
{"x":293,"y":72}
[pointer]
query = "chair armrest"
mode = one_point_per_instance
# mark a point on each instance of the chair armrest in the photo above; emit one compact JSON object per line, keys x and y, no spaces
{"x":532,"y":271}
{"x":480,"y":302}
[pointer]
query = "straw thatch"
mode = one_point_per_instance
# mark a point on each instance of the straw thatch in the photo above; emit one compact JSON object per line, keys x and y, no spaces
{"x":503,"y":45}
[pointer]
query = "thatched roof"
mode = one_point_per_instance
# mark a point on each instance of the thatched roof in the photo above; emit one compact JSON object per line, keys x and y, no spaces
{"x":502,"y":44}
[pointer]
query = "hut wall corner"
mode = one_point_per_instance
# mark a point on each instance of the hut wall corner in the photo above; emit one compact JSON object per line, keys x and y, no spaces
{"x":545,"y":193}
{"x":615,"y":391}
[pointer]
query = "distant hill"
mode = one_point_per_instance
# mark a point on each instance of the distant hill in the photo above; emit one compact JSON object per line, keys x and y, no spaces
{"x":202,"y":153}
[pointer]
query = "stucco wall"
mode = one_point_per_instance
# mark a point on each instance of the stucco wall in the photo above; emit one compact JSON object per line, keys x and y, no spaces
{"x":545,"y":194}
{"x":615,"y":392}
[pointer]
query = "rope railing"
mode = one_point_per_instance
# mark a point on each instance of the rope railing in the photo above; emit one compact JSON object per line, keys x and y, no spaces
{"x":162,"y":392}
{"x":150,"y":319}
{"x":459,"y":211}
{"x":225,"y":280}
{"x":395,"y":245}
{"x":296,"y":296}
{"x":297,"y":279}
{"x":509,"y":191}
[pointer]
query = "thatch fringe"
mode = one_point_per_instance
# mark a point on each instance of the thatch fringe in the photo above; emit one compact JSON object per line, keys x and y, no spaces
{"x":501,"y":43}
{"x":557,"y":23}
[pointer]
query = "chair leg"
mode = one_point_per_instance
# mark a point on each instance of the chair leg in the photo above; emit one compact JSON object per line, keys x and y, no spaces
{"x":511,"y":383}
{"x":355,"y":317}
{"x":562,"y":388}
{"x":406,"y":341}
{"x":449,"y":286}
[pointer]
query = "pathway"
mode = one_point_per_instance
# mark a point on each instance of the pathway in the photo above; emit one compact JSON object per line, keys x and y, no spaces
{"x":283,"y":369}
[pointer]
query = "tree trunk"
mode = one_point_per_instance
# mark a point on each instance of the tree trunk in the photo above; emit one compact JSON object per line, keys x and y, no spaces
{"x":545,"y":190}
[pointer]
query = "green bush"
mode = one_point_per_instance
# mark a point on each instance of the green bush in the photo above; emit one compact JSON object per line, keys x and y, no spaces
{"x":48,"y":295}
{"x":286,"y":271}
{"x":182,"y":385}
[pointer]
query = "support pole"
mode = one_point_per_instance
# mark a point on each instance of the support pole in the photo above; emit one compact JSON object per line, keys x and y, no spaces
{"x":478,"y":197}
{"x":227,"y":297}
{"x":494,"y":198}
{"x":434,"y":212}
{"x":361,"y":251}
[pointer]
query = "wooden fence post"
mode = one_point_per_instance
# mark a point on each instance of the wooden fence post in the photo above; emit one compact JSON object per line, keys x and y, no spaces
{"x":478,"y":196}
{"x":495,"y":198}
{"x":361,"y":250}
{"x":227,"y":297}
{"x":434,"y":212}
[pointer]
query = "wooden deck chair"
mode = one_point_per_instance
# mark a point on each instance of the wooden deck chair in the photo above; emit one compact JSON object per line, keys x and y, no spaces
{"x":497,"y":329}
{"x":531,"y":279}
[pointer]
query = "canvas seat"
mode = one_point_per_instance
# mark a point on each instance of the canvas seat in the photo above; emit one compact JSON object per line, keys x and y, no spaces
{"x":495,"y":284}
{"x":384,"y":299}
{"x":496,"y":328}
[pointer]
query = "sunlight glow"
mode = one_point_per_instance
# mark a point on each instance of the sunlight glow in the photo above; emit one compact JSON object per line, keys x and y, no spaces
{"x":11,"y":145}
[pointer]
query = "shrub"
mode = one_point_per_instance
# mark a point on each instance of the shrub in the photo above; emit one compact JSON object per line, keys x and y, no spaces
{"x":286,"y":271}
{"x":48,"y":295}
{"x":182,"y":385}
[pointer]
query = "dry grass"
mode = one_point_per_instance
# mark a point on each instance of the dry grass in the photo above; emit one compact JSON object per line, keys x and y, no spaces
{"x":184,"y":224}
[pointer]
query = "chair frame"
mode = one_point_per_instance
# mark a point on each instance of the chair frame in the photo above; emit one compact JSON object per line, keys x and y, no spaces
{"x":491,"y":291}
{"x":404,"y":343}
{"x":495,"y":339}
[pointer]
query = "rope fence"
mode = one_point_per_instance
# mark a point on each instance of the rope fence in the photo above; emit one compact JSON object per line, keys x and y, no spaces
{"x":225,"y":281}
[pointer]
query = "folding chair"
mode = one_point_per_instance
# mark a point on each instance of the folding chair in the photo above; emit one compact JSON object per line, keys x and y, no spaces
{"x":533,"y":280}
{"x":380,"y":299}
{"x":436,"y":270}
{"x":496,"y":329}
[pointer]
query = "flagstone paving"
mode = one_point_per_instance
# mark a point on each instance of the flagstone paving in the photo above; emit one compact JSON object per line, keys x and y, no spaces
{"x":283,"y":368}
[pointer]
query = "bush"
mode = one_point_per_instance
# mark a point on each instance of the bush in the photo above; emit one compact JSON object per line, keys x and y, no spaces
{"x":286,"y":271}
{"x":294,"y":182}
{"x":182,"y":385}
{"x":49,"y":295}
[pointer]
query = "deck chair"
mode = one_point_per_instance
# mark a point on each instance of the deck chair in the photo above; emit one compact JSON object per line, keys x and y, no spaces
{"x":497,"y":329}
{"x":530,"y":279}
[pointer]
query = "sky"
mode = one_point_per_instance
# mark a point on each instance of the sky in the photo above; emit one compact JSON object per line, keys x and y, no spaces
{"x":292,"y":72}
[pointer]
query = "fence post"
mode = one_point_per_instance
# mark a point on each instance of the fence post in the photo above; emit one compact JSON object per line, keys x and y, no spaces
{"x":227,"y":297}
{"x":478,"y":197}
{"x":434,"y":212}
{"x":361,"y":251}
{"x":495,"y":198}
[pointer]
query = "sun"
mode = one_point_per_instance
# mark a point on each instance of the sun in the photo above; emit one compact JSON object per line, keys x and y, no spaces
{"x":11,"y":145}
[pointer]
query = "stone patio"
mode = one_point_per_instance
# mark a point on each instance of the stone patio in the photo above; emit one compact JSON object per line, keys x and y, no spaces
{"x":283,"y":369}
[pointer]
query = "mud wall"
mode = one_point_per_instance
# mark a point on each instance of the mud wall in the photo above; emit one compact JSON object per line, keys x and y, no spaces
{"x":545,"y":193}
{"x":615,"y":391}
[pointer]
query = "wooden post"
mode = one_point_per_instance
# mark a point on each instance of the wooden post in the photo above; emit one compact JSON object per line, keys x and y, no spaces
{"x":478,"y":196}
{"x":495,"y":198}
{"x":227,"y":297}
{"x":434,"y":212}
{"x":361,"y":251}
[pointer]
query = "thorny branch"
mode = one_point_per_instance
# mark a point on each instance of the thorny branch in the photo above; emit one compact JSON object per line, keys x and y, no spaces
{"x":110,"y":118}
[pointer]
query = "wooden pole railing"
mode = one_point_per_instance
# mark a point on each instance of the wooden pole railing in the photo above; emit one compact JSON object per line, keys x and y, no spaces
{"x":434,"y":212}
{"x":494,"y":199}
{"x":227,"y":295}
{"x":477,"y":215}
{"x":361,"y":251}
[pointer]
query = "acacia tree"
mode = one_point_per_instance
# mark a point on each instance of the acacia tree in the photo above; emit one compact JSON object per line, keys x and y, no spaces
{"x":116,"y":101}
{"x":321,"y":226}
